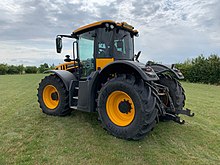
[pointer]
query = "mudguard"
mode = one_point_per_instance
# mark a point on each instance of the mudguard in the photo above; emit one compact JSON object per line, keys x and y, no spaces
{"x":65,"y":76}
{"x":89,"y":88}
{"x":145,"y":72}
{"x":159,"y":69}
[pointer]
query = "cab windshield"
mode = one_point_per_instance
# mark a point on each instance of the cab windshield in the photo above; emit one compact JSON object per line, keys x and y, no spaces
{"x":115,"y":43}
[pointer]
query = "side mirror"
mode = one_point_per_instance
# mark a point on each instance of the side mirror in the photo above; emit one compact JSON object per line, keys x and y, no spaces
{"x":137,"y":56}
{"x":59,"y":44}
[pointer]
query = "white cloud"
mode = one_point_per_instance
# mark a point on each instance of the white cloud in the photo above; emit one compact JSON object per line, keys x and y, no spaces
{"x":29,"y":54}
{"x":170,"y":31}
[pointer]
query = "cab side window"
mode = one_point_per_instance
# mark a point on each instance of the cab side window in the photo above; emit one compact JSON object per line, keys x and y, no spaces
{"x":86,"y":53}
{"x":104,"y":43}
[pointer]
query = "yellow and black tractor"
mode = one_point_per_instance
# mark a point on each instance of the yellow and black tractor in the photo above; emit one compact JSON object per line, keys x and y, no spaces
{"x":105,"y":76}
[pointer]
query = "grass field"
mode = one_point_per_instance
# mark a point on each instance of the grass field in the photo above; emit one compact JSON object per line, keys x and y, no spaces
{"x":27,"y":136}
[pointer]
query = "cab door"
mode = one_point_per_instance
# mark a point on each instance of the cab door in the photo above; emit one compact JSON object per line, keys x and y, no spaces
{"x":104,"y":47}
{"x":86,"y":47}
{"x":86,"y":53}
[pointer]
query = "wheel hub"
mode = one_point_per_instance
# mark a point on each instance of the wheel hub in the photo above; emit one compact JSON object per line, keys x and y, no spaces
{"x":54,"y":96}
{"x":124,"y":106}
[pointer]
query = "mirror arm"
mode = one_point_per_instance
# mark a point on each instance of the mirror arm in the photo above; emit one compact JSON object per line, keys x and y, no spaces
{"x":67,"y":36}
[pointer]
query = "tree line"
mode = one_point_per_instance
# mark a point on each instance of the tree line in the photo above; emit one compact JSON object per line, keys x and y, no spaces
{"x":201,"y":69}
{"x":198,"y":70}
{"x":21,"y":69}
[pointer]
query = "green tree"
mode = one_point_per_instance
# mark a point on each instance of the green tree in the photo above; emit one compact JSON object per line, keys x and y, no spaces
{"x":12,"y":69}
{"x":21,"y":69}
{"x":52,"y":67}
{"x":214,"y":67}
{"x":3,"y":69}
{"x":30,"y":69}
{"x":43,"y":67}
{"x":202,"y":69}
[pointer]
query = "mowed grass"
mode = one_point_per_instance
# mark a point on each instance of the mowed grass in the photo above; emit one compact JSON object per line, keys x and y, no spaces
{"x":27,"y":136}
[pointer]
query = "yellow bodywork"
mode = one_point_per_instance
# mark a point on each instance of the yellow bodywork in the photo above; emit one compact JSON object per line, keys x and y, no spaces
{"x":124,"y":25}
{"x":92,"y":25}
{"x":67,"y":66}
{"x":102,"y":62}
{"x":112,"y":108}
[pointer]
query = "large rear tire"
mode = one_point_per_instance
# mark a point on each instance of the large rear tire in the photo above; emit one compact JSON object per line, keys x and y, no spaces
{"x":53,"y":96}
{"x":176,"y":91}
{"x":127,"y":108}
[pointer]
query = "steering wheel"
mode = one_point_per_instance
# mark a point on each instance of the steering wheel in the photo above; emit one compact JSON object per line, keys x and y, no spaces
{"x":88,"y":63}
{"x":101,"y":50}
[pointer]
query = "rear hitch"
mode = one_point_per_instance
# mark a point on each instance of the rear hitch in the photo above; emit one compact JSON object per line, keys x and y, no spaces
{"x":175,"y":118}
{"x":186,"y":112}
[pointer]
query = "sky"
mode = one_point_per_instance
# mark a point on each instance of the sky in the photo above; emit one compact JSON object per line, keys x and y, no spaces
{"x":170,"y":31}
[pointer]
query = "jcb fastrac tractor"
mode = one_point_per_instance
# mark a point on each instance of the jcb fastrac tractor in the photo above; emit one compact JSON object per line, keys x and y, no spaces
{"x":105,"y":76}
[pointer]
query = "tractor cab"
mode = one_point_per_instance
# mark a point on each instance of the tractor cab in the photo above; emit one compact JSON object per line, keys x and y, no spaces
{"x":98,"y":44}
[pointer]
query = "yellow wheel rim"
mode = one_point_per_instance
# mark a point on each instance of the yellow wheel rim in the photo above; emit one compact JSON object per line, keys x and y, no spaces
{"x":50,"y":97}
{"x":114,"y":111}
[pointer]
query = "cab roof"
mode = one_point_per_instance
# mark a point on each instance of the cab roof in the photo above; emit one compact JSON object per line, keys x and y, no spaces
{"x":95,"y":25}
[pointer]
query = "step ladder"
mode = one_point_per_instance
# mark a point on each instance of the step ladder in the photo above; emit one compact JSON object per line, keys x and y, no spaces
{"x":75,"y":98}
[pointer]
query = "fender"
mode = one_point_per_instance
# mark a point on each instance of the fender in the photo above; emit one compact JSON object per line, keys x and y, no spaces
{"x":89,"y":88}
{"x":65,"y":76}
{"x":124,"y":66}
{"x":159,"y":69}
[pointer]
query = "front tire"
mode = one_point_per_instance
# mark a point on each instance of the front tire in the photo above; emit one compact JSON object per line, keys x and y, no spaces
{"x":127,"y":108}
{"x":53,"y":96}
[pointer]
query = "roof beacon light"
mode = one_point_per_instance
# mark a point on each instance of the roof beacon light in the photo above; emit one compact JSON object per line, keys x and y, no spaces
{"x":107,"y":25}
